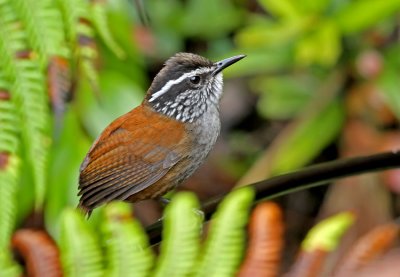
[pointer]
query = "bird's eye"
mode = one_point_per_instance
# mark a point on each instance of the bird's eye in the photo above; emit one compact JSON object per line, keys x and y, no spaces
{"x":195,"y":79}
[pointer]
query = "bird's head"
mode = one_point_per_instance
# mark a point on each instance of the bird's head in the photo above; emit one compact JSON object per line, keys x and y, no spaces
{"x":187,"y":85}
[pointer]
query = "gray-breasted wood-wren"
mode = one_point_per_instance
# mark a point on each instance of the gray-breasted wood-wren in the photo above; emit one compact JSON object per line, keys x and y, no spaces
{"x":156,"y":146}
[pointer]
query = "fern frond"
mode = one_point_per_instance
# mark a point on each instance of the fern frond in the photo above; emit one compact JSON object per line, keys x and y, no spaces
{"x":81,"y":34}
{"x":45,"y":30}
{"x":12,"y":40}
{"x":86,"y":62}
{"x":9,"y":176}
{"x":31,"y":100}
{"x":8,"y":188}
{"x":81,"y":37}
{"x":9,"y":171}
{"x":9,"y":121}
{"x":28,"y":94}
{"x":126,"y":243}
{"x":80,"y":249}
{"x":72,"y":11}
{"x":99,"y":19}
{"x":7,"y":267}
{"x":224,"y":246}
{"x":181,"y":236}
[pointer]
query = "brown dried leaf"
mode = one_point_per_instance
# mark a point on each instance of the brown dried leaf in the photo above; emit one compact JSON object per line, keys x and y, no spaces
{"x":39,"y":253}
{"x":265,"y":242}
{"x":308,"y":264}
{"x":368,"y":248}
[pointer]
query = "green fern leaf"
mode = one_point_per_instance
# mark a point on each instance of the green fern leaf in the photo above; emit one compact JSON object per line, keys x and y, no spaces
{"x":81,"y":37}
{"x":9,"y":173}
{"x":223,"y":249}
{"x":8,"y":268}
{"x":89,"y":70}
{"x":9,"y":170}
{"x":9,"y":177}
{"x":28,"y":94}
{"x":8,"y":208}
{"x":126,"y":244}
{"x":80,"y":249}
{"x":181,"y":236}
{"x":45,"y":30}
{"x":99,"y":19}
{"x":81,"y":34}
{"x":12,"y":40}
{"x":72,"y":11}
{"x":9,"y":121}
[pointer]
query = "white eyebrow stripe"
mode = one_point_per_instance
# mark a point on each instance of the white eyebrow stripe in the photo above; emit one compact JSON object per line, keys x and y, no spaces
{"x":170,"y":83}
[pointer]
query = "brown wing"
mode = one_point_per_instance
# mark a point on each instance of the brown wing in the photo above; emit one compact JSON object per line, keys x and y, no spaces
{"x":134,"y":152}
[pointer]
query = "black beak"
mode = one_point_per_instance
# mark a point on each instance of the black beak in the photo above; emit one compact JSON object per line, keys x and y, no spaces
{"x":226,"y":62}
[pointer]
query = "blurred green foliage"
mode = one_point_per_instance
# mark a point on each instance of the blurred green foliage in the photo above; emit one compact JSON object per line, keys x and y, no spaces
{"x":294,"y":48}
{"x":127,"y":251}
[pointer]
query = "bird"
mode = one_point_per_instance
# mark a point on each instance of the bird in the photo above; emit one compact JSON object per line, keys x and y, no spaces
{"x":156,"y":146}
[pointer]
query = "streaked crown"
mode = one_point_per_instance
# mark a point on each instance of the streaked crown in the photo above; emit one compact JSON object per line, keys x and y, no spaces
{"x":187,"y":85}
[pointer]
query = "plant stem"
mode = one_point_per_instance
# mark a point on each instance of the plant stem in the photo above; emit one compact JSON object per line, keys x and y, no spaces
{"x":308,"y":177}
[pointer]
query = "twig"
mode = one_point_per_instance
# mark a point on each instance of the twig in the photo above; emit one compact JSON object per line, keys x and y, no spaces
{"x":305,"y":178}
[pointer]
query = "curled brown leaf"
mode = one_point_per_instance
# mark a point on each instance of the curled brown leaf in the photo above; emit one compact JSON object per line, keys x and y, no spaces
{"x":39,"y":252}
{"x":265,"y":242}
{"x":368,"y":248}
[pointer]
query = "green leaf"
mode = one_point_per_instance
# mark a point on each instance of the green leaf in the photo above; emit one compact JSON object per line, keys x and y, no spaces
{"x":67,"y":154}
{"x":260,"y":61}
{"x":181,"y":236}
{"x":29,"y":96}
{"x":8,"y":268}
{"x":31,"y":100}
{"x":283,"y":97}
{"x":326,"y":234}
{"x":44,"y":29}
{"x":287,"y":9}
{"x":311,"y":134}
{"x":223,"y":249}
{"x":9,"y":177}
{"x":389,"y":84}
{"x":361,"y":14}
{"x":267,"y":33}
{"x":205,"y":19}
{"x":126,"y":243}
{"x":80,"y":249}
{"x":99,"y":19}
{"x":70,"y":12}
{"x":167,"y":26}
{"x":119,"y":95}
{"x":9,"y":120}
{"x":314,"y":6}
{"x":9,"y":172}
{"x":322,"y":46}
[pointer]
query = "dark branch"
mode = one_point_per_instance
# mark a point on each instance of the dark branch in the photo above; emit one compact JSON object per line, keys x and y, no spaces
{"x":305,"y":178}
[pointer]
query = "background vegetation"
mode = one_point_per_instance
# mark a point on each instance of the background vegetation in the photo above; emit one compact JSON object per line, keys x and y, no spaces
{"x":320,"y":82}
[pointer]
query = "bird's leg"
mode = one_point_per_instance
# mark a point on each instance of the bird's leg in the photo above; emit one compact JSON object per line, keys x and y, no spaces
{"x":199,"y":213}
{"x":164,"y":201}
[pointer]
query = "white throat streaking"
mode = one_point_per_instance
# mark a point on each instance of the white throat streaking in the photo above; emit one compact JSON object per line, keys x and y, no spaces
{"x":185,"y":103}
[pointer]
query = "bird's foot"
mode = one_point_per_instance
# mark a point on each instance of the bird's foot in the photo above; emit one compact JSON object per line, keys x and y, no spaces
{"x":164,"y":201}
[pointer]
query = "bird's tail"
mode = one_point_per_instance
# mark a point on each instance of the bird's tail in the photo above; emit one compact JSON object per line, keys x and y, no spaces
{"x":85,"y":210}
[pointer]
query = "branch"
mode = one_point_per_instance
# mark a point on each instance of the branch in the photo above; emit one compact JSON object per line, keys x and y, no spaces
{"x":302,"y":179}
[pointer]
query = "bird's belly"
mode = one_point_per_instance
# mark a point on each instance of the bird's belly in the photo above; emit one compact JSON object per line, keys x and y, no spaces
{"x":204,"y":133}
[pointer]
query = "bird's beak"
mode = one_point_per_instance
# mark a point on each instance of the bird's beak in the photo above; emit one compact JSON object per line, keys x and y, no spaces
{"x":225,"y":63}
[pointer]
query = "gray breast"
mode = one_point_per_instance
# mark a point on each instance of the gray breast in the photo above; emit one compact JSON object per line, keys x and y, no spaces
{"x":205,"y":131}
